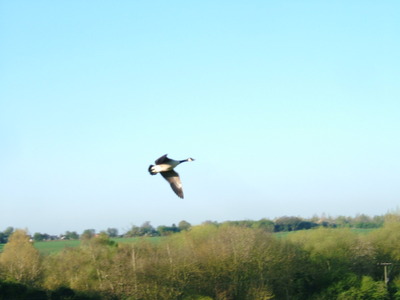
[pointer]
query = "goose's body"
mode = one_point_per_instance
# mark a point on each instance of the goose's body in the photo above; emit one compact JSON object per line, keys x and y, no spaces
{"x":165,"y":166}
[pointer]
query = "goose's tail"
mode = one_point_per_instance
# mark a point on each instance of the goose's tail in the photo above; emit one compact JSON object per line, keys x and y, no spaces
{"x":151,"y":170}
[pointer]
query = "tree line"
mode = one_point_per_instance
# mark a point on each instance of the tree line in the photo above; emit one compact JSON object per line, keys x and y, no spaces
{"x":211,"y":261}
{"x":282,"y":224}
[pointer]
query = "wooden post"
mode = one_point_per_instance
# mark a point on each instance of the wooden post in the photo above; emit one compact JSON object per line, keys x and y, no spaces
{"x":385,"y":271}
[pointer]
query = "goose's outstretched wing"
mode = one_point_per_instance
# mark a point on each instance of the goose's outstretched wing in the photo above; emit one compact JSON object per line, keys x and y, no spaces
{"x":163,"y":159}
{"x":173,"y":178}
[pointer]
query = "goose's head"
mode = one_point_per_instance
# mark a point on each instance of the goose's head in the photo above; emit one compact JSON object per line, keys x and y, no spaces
{"x":190,"y":159}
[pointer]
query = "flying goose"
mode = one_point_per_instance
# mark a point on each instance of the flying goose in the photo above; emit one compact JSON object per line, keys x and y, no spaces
{"x":165,"y":166}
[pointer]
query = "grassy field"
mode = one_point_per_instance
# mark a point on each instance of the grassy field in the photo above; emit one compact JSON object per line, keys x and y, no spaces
{"x":355,"y":230}
{"x":48,"y":247}
{"x":363,"y":230}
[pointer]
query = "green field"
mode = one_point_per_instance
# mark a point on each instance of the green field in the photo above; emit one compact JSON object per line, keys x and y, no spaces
{"x":355,"y":230}
{"x":48,"y":247}
{"x":362,"y":230}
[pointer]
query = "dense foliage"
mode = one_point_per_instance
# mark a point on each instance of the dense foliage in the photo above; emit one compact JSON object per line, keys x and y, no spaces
{"x":210,"y":261}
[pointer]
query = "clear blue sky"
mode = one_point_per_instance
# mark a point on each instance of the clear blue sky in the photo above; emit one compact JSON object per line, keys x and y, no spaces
{"x":289,"y":108}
